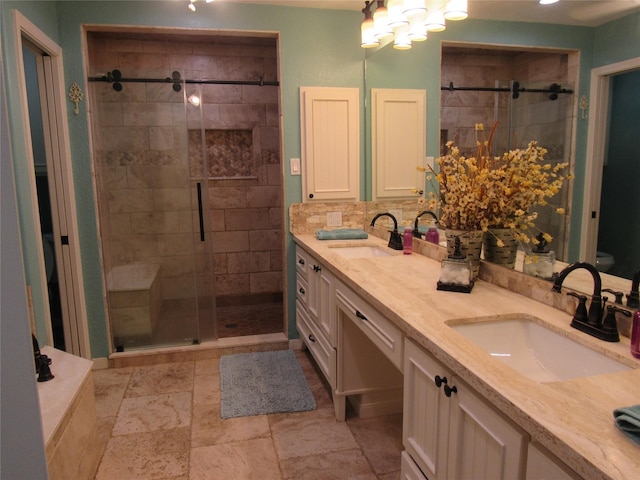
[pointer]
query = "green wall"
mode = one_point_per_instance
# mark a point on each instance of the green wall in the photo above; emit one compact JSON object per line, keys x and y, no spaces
{"x":317,"y":48}
{"x":617,"y":41}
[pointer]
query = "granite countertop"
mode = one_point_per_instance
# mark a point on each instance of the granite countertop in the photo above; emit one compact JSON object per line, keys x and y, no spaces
{"x":573,"y":419}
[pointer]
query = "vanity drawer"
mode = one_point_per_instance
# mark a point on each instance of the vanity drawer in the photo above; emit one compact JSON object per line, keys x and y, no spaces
{"x":384,"y":334}
{"x":302,"y":262}
{"x":318,"y":345}
{"x":302,"y":291}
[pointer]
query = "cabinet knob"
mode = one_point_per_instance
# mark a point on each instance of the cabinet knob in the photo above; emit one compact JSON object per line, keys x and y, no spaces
{"x":449,"y":390}
{"x":301,"y":261}
{"x":316,"y":268}
{"x":311,"y":195}
{"x":312,"y":338}
{"x":301,"y":290}
{"x":360,"y":315}
{"x":440,"y":381}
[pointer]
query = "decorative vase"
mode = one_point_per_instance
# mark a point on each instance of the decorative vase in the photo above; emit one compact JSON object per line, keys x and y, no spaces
{"x":504,"y":255}
{"x":470,"y":246}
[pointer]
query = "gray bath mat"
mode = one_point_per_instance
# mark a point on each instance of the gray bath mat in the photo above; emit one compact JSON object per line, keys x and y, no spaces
{"x":261,"y":383}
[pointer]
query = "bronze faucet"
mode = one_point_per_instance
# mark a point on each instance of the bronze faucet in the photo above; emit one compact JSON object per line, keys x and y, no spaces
{"x":416,"y":233}
{"x":395,"y":240}
{"x":633,"y":299}
{"x":593,"y":325}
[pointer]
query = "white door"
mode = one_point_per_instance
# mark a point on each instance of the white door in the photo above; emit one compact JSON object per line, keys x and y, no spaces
{"x":330,"y":142}
{"x":57,"y":163}
{"x":398,"y":140}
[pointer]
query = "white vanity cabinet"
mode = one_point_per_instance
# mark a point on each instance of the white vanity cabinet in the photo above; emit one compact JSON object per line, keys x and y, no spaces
{"x":315,"y":313}
{"x":449,"y":431}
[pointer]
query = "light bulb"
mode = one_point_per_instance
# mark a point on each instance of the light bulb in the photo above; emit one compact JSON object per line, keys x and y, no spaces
{"x":402,"y":40}
{"x":368,"y":34}
{"x":435,"y":21}
{"x":395,"y":13}
{"x":414,"y":7}
{"x":456,"y":10}
{"x":381,"y":22}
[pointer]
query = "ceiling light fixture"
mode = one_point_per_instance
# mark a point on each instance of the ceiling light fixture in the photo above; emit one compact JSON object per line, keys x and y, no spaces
{"x":407,"y":21}
{"x":547,"y":2}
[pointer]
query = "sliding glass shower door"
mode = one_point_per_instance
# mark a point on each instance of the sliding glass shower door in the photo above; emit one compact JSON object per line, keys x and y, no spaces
{"x":151,"y":213}
{"x":544,"y":112}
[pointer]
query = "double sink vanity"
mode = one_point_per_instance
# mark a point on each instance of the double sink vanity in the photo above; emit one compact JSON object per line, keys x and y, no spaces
{"x":491,"y":384}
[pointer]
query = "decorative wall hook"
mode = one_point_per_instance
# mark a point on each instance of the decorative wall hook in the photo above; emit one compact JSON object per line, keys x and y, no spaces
{"x":75,"y":94}
{"x":584,"y":106}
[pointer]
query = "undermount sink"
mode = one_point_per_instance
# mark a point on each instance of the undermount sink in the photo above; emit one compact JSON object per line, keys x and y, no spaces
{"x":536,"y":351}
{"x":361,"y":251}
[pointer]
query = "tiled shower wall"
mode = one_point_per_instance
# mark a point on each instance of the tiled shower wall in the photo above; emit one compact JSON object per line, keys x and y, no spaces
{"x":465,"y":67}
{"x":148,"y":182}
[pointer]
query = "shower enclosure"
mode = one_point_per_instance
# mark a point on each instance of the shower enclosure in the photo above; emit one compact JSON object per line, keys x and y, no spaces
{"x":522,"y":112}
{"x":178,"y":155}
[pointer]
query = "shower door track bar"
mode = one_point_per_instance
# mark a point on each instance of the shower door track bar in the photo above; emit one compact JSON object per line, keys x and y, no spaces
{"x":259,"y":83}
{"x":515,"y":89}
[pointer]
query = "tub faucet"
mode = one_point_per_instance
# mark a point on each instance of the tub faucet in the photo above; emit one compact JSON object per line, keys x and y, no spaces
{"x":395,"y":240}
{"x":633,"y":299}
{"x":593,"y":324}
{"x":416,"y":232}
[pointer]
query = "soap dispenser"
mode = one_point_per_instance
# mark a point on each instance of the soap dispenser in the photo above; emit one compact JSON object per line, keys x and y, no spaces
{"x":432,"y":234}
{"x":635,"y":335}
{"x":541,"y":261}
{"x":456,"y":272}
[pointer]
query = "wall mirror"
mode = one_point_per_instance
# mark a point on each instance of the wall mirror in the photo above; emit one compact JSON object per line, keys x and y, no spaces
{"x":465,"y":108}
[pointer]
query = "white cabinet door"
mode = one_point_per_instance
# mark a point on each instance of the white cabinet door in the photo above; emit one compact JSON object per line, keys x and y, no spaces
{"x":450,"y":431}
{"x":425,"y":411}
{"x":398,"y":138}
{"x":321,"y":298}
{"x":482,"y":443}
{"x":542,"y":465}
{"x":330,"y":141}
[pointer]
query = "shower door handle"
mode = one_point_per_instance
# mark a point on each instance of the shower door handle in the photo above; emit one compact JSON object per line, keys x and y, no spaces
{"x":200,"y":211}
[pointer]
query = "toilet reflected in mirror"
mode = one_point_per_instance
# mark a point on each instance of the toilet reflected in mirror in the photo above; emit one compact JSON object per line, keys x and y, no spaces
{"x":604,"y":261}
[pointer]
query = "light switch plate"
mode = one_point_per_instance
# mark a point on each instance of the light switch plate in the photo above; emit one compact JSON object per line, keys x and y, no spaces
{"x":430,"y":162}
{"x":295,"y":166}
{"x":334,"y":219}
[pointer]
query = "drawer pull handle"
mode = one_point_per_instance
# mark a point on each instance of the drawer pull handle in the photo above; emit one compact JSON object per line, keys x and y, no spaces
{"x":449,"y":390}
{"x":361,"y":316}
{"x":301,"y":261}
{"x":312,"y":338}
{"x":440,"y":381}
{"x":316,"y":268}
{"x":301,"y":290}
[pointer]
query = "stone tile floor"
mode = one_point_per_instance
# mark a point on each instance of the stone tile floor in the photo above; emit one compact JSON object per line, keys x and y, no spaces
{"x":162,"y":422}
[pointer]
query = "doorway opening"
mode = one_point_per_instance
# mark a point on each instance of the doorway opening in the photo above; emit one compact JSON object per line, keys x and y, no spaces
{"x":60,"y":286}
{"x":611,"y":167}
{"x":187,"y":153}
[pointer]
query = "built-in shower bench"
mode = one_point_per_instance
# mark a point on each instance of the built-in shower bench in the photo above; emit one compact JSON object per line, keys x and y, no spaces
{"x":135,"y":299}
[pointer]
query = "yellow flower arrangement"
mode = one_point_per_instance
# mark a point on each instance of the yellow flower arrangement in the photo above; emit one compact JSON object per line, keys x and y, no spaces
{"x":483,"y":191}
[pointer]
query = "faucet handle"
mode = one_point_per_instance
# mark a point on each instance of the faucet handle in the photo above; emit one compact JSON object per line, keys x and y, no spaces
{"x":610,"y":324}
{"x":616,"y":294}
{"x":581,"y":314}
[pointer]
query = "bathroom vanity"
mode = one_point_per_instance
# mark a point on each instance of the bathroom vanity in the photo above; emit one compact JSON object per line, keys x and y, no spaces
{"x":383,"y":337}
